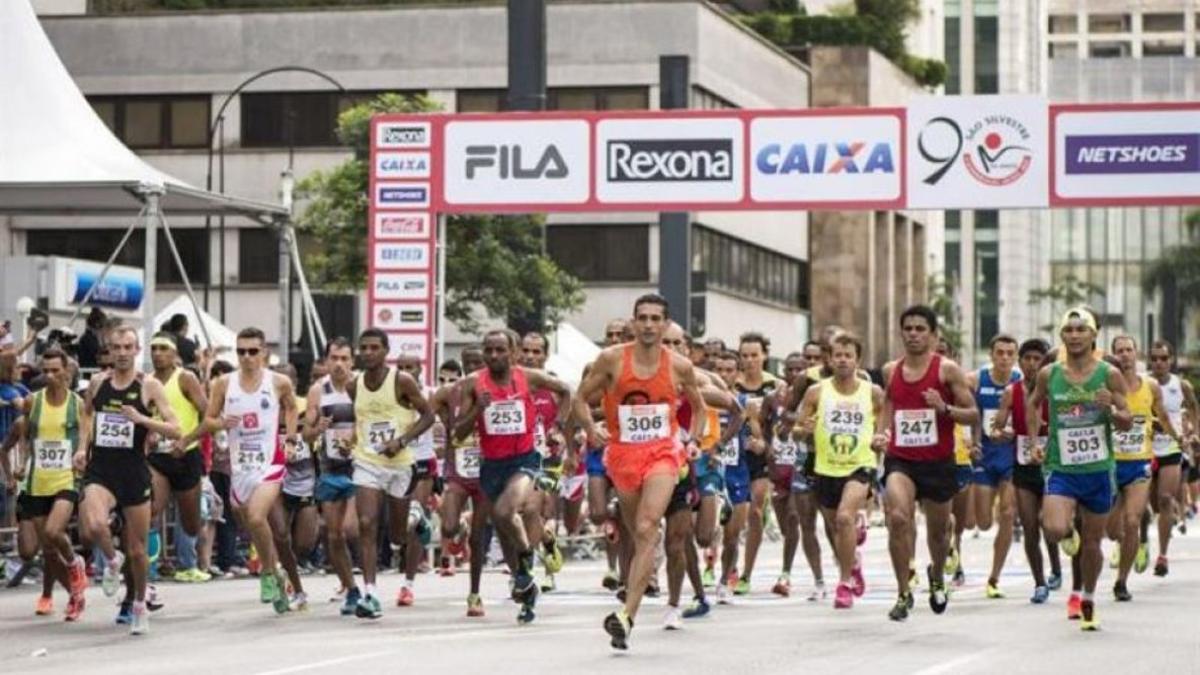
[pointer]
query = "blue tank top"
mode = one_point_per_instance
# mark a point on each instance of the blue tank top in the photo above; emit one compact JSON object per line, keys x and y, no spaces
{"x":741,"y":440}
{"x":987,"y":398}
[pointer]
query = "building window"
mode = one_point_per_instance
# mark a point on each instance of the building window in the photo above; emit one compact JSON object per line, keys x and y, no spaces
{"x":297,"y":118}
{"x":151,"y":122}
{"x":258,"y":256}
{"x":601,"y":252}
{"x":480,"y":100}
{"x":987,"y":55}
{"x":1162,"y":48}
{"x":1064,"y":50}
{"x":1109,"y":50}
{"x":1109,"y":23}
{"x":749,"y":269}
{"x":98,"y":245}
{"x":703,"y":99}
{"x":598,"y":98}
{"x":1162,"y":23}
{"x":1064,"y":23}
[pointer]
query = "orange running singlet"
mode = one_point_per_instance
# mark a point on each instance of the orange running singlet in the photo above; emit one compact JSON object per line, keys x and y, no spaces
{"x":642,"y":426}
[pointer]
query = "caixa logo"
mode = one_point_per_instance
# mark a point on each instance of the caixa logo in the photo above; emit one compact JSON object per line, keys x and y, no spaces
{"x":677,"y":160}
{"x":829,"y":158}
{"x":402,"y":165}
{"x":514,"y":162}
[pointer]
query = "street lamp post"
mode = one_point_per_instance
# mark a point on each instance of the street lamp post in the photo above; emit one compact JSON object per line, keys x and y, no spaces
{"x":218,"y":122}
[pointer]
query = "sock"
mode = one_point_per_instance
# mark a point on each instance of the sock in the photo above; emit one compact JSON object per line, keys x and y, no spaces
{"x":407,"y":583}
{"x":370,"y":589}
{"x":1086,"y":596}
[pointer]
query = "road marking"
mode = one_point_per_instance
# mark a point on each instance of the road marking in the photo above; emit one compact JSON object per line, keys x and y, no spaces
{"x":951,"y":665}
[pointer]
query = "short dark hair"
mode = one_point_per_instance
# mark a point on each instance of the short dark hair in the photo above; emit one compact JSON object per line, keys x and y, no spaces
{"x":652,"y":299}
{"x":508,"y":336}
{"x":1112,"y":346}
{"x":251,"y":333}
{"x":1002,"y":338}
{"x":536,"y":334}
{"x":755,"y":336}
{"x":55,"y":353}
{"x":177,"y":322}
{"x":1163,"y":344}
{"x":1033,"y":345}
{"x":451,"y":365}
{"x":219,"y":368}
{"x":847,"y":339}
{"x":474,"y":347}
{"x":374,"y":333}
{"x":923,"y":311}
{"x":812,"y":343}
{"x":729,"y":355}
{"x":95,"y":318}
{"x":337,"y":343}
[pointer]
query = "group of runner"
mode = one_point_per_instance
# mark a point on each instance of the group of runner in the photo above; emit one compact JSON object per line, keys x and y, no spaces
{"x":677,"y":446}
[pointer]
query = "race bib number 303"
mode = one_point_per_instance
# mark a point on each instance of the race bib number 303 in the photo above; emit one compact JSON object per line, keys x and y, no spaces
{"x":644,"y":423}
{"x":1082,"y":445}
{"x":916,"y":428}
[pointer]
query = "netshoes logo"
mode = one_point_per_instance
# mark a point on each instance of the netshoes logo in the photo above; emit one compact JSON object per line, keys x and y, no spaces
{"x":678,"y":160}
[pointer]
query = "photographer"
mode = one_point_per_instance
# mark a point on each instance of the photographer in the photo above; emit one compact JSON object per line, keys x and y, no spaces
{"x":90,"y":343}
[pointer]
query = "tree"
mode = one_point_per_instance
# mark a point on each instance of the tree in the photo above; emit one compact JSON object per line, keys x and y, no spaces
{"x":941,"y":301}
{"x":1177,"y":271}
{"x":494,"y":264}
{"x":1068,"y":292}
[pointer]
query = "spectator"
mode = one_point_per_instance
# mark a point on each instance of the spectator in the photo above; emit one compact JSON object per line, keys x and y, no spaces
{"x":12,"y":401}
{"x":178,"y":325}
{"x":92,"y":340}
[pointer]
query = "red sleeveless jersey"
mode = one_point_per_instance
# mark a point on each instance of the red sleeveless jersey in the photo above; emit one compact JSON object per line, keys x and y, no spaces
{"x":505,"y":427}
{"x":919,"y":433}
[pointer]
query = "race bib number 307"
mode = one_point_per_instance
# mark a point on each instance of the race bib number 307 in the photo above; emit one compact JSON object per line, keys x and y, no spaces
{"x":52,"y":455}
{"x":916,"y":428}
{"x":644,"y":423}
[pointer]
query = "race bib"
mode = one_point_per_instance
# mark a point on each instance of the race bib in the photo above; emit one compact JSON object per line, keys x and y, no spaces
{"x":250,"y":455}
{"x":539,"y":439}
{"x":785,"y":453}
{"x":114,"y":430}
{"x":916,"y":428}
{"x":1131,"y":442}
{"x":379,"y":434}
{"x":728,"y":452}
{"x":504,"y":418}
{"x":1082,"y":445}
{"x":1163,"y":445}
{"x":466,"y":463}
{"x":335,"y":440}
{"x":644,"y":423}
{"x":1025,"y":447}
{"x":989,"y":416}
{"x":303,"y":452}
{"x":845,"y":421}
{"x":51,"y":455}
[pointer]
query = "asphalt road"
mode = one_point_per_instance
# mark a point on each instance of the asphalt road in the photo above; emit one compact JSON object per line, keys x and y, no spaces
{"x":221,"y":627}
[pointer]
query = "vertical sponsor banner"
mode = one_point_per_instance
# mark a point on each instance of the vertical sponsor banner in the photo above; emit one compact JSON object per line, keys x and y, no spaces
{"x":978,"y":152}
{"x":402,"y":237}
{"x":1115,"y":155}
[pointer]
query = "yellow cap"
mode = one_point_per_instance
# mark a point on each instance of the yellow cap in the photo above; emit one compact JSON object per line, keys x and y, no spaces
{"x":1080,"y":314}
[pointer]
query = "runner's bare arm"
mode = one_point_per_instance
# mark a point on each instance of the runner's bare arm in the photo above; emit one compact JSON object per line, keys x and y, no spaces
{"x":808,"y":411}
{"x":540,"y":379}
{"x":1122,"y":416}
{"x":593,"y":386}
{"x":963,"y":410}
{"x":729,"y":403}
{"x":156,"y":398}
{"x":469,"y":408}
{"x":879,"y":441}
{"x":1191,"y":409}
{"x":887,"y":372}
{"x":1033,"y":412}
{"x":998,"y":432}
{"x":685,"y":375}
{"x":287,"y":406}
{"x":1159,"y":410}
{"x":410,"y":391}
{"x":213,"y":419}
{"x":86,"y":414}
{"x":193,"y":390}
{"x":314,"y":424}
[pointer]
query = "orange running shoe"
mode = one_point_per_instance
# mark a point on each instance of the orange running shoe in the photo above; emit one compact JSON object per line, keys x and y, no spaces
{"x":1074,"y":607}
{"x":45,"y":606}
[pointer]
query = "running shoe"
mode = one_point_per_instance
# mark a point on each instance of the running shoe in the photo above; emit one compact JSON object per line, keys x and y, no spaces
{"x":45,"y":606}
{"x":724,"y":596}
{"x":268,"y":586}
{"x":708,"y":577}
{"x":111,"y":580}
{"x":1142,"y":560}
{"x":742,"y":587}
{"x":618,"y":625}
{"x":456,"y":547}
{"x":1073,"y":606}
{"x":843,"y":597}
{"x":913,"y":579}
{"x":992,"y":591}
{"x":552,"y":555}
{"x":652,"y":589}
{"x":368,"y":608}
{"x":960,"y":577}
{"x":697,"y":609}
{"x":299,"y":602}
{"x":899,"y":611}
{"x":1160,"y":566}
{"x":938,"y":597}
{"x":673,"y":619}
{"x":611,"y":581}
{"x":1070,"y":545}
{"x":522,"y":585}
{"x":526,"y":615}
{"x":818,"y":593}
{"x":153,"y":602}
{"x":1054,"y":581}
{"x":474,"y":605}
{"x":78,"y":576}
{"x":140,"y":619}
{"x":405,"y":598}
{"x":446,"y":569}
{"x":952,"y":562}
{"x":1040,"y":595}
{"x":1088,"y":620}
{"x":783,"y":586}
{"x":125,"y":614}
{"x":548,"y":584}
{"x":859,"y":586}
{"x":75,"y":607}
{"x":1121,"y":592}
{"x":350,"y":601}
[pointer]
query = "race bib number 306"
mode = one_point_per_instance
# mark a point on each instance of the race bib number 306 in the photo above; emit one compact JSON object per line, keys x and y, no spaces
{"x":644,"y":423}
{"x":113,"y":430}
{"x":1082,"y":445}
{"x":916,"y":428}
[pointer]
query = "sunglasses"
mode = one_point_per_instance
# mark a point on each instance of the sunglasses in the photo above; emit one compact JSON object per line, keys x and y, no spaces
{"x":248,"y":351}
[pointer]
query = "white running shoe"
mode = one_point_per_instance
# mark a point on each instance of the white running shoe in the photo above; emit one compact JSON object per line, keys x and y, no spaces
{"x":673,"y":620}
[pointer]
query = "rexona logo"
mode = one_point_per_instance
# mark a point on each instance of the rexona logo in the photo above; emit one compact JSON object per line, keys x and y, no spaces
{"x":685,"y":159}
{"x":505,"y":161}
{"x":403,"y":135}
{"x":848,"y":157}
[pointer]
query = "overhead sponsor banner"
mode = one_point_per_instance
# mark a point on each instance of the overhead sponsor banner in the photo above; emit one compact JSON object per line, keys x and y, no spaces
{"x":978,"y":152}
{"x":402,"y":256}
{"x":828,"y":159}
{"x":406,"y":316}
{"x":669,"y":159}
{"x":516,"y":162}
{"x":393,"y":286}
{"x":392,"y":195}
{"x":122,"y":288}
{"x":409,"y":344}
{"x":401,"y":225}
{"x":1106,"y":155}
{"x":402,"y":165}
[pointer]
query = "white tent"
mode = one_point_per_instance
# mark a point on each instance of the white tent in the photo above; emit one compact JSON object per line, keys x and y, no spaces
{"x":58,"y":157}
{"x":570,"y":351}
{"x":219,"y":336}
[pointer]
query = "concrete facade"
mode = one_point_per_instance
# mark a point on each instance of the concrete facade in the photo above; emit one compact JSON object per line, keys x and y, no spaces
{"x":442,"y":50}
